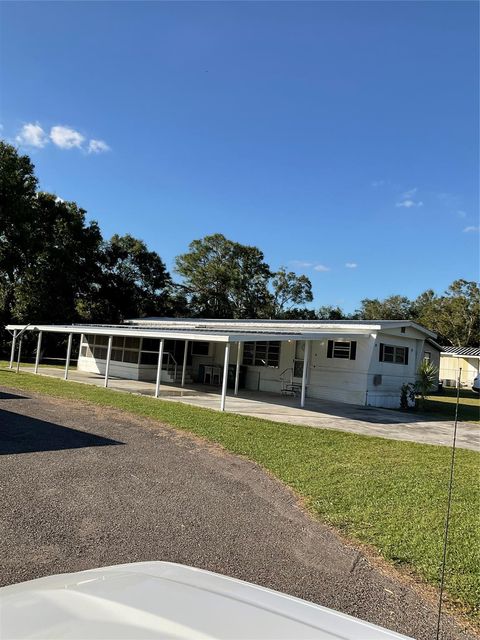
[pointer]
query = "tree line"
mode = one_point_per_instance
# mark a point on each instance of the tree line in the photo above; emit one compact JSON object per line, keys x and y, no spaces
{"x":55,"y":267}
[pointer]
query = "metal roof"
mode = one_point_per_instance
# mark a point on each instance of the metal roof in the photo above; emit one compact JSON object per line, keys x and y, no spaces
{"x":462,"y":351}
{"x":191,"y":333}
{"x":229,"y":330}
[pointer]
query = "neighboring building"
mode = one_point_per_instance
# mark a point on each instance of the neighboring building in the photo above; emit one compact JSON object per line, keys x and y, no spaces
{"x":357,"y":362}
{"x":431,"y":353}
{"x":452,"y":359}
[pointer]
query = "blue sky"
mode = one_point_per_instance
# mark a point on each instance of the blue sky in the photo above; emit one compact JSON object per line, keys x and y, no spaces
{"x":341,"y":138}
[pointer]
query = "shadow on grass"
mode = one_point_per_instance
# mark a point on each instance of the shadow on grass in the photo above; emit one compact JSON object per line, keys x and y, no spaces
{"x":22,"y":434}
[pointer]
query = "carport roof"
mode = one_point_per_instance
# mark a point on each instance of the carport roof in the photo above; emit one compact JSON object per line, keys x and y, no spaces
{"x":228,"y":330}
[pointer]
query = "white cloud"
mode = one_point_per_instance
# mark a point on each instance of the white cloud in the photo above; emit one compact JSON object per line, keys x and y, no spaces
{"x":471,"y":229}
{"x":32,"y":135}
{"x":351,"y":265}
{"x":408,"y":200}
{"x":97,"y":146}
{"x":408,"y":203}
{"x":321,"y":267}
{"x":461,"y":214}
{"x":66,"y":138}
{"x":378,"y":183}
{"x":301,"y":263}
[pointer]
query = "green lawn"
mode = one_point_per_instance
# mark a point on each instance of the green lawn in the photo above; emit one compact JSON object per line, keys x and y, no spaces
{"x":388,"y":494}
{"x":443,"y":405}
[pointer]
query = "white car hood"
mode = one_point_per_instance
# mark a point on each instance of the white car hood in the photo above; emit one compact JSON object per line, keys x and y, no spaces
{"x":166,"y":600}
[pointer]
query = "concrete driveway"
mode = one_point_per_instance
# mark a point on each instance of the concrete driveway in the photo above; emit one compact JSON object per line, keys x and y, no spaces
{"x":323,"y":414}
{"x":84,"y":486}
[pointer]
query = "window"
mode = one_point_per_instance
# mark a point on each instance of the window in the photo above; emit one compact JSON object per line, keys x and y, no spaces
{"x":100,"y":353}
{"x":200,"y":348}
{"x":342,"y":349}
{"x":261,"y":354}
{"x":117,"y":355}
{"x":150,"y":349}
{"x":427,"y":356}
{"x":147,"y":357}
{"x":394,"y":354}
{"x":132,"y":343}
{"x":123,"y":349}
{"x":151,"y":344}
{"x":130,"y":355}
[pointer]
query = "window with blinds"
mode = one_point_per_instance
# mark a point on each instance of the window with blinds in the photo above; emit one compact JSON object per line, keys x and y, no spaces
{"x":343,"y":349}
{"x":261,"y":354}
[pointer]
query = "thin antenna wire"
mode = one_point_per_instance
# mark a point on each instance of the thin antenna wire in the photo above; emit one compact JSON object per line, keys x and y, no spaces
{"x":449,"y":503}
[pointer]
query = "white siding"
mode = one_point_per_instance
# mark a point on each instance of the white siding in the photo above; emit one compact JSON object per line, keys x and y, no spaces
{"x":450,"y":366}
{"x":126,"y":370}
{"x":385,"y":379}
{"x":339,"y":379}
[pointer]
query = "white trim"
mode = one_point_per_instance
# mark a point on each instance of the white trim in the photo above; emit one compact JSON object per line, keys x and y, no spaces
{"x":184,"y":364}
{"x":69,"y":353}
{"x":109,"y":357}
{"x":37,"y":355}
{"x":225,"y":377}
{"x":19,"y":353}
{"x":12,"y":352}
{"x":306,"y":364}
{"x":159,"y":368}
{"x":237,"y":369}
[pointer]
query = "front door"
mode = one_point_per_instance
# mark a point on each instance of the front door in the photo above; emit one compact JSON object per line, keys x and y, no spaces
{"x":298,"y":361}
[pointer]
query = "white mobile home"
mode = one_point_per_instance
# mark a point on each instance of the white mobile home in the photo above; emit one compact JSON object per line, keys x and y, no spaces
{"x":357,"y":362}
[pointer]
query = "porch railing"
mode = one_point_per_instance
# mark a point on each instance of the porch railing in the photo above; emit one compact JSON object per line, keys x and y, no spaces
{"x":171,"y":365}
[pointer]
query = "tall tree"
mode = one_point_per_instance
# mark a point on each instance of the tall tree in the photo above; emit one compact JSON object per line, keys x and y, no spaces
{"x":225,"y":279}
{"x":61,"y":263}
{"x":391,"y":308}
{"x":47,"y":250}
{"x":328,"y":312}
{"x":289,"y":291}
{"x":455,"y":316}
{"x":18,"y":186}
{"x":133,"y":282}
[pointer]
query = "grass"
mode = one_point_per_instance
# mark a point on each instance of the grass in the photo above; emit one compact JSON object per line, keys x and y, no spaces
{"x":388,"y":494}
{"x":443,"y":405}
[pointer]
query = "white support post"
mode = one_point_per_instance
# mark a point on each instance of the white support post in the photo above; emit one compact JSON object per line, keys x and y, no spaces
{"x":159,"y":368}
{"x":237,"y":370}
{"x":19,"y":353}
{"x":39,"y":347}
{"x":305,"y":372}
{"x":225,"y":376}
{"x":12,"y":352}
{"x":69,"y":353}
{"x":109,"y":355}
{"x":184,"y":366}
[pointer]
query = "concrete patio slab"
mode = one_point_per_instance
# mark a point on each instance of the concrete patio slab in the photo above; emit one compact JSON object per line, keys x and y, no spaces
{"x":324,"y":414}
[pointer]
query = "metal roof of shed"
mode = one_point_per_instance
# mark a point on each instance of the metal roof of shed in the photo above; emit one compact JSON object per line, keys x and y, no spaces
{"x":471,"y":352}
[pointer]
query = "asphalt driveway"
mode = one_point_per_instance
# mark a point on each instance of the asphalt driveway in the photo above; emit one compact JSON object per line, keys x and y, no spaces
{"x":84,"y":486}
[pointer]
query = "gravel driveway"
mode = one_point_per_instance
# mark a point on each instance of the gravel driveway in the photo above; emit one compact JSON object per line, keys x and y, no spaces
{"x":84,"y":486}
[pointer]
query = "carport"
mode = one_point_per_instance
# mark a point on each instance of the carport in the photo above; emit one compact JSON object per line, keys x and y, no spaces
{"x":232,"y":339}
